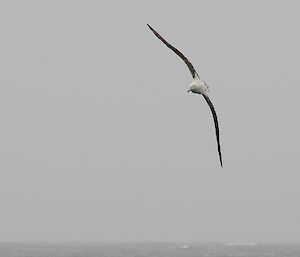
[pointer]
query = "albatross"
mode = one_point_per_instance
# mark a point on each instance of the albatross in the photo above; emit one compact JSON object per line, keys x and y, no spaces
{"x":197,"y":86}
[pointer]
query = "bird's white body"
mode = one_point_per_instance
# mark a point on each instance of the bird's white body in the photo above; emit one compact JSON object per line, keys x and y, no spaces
{"x":199,"y":87}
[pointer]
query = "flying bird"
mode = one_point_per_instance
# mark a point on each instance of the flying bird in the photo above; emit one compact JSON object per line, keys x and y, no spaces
{"x":197,"y":86}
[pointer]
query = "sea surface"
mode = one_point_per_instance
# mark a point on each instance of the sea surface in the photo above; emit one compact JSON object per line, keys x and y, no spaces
{"x":78,"y":249}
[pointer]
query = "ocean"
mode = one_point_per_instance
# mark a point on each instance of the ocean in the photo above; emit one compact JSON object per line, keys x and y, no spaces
{"x":95,"y":249}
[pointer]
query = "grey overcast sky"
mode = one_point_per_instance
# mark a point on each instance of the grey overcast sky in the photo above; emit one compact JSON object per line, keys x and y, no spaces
{"x":99,"y":139}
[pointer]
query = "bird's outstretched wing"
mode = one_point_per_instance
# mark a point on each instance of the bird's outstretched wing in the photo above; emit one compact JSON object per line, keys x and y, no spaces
{"x":188,"y":63}
{"x":216,"y":125}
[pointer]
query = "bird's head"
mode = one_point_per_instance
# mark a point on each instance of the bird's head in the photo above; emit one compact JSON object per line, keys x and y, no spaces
{"x":192,"y":87}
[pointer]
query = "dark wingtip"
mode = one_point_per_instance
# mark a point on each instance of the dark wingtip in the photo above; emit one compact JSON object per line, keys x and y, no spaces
{"x":221,"y":161}
{"x":149,"y":26}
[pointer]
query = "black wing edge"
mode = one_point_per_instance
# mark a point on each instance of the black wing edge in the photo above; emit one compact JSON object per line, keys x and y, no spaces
{"x":216,"y":126}
{"x":176,"y":51}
